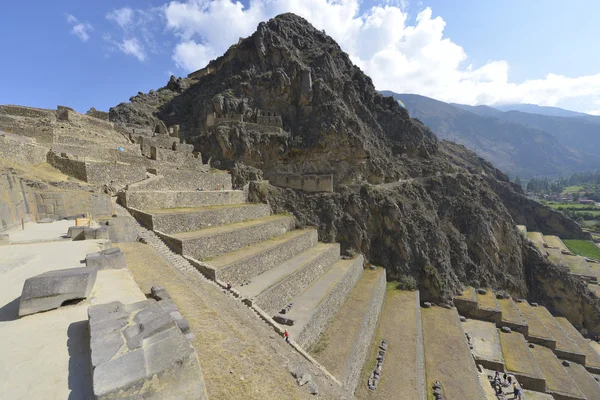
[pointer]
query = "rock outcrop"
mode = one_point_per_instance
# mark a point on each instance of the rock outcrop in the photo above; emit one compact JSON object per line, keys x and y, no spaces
{"x":288,"y":100}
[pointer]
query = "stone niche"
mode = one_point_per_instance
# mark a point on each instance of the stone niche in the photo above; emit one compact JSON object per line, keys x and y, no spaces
{"x":308,"y":183}
{"x":269,"y":117}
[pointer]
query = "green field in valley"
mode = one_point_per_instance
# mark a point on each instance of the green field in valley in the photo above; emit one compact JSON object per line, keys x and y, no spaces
{"x":572,"y":189}
{"x":583,"y":248}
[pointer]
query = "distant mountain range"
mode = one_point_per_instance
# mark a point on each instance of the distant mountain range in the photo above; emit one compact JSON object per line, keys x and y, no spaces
{"x":549,"y":142}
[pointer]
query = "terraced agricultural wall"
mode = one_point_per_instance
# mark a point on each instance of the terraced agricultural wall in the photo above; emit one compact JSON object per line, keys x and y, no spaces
{"x":17,"y":202}
{"x":360,"y":348}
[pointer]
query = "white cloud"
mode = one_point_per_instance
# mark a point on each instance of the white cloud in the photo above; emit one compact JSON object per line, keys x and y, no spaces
{"x":132,"y":47}
{"x":137,"y":30}
{"x":595,"y":111}
{"x":122,"y":16}
{"x":80,"y":29}
{"x":405,"y":58}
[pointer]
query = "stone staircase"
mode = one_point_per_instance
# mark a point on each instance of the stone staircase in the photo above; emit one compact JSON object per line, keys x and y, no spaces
{"x":270,"y":264}
{"x":545,"y":353}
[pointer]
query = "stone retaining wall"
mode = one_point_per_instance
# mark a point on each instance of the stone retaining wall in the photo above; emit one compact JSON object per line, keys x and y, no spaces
{"x":308,"y":183}
{"x":61,"y":204}
{"x":40,"y":127}
{"x":188,"y":180}
{"x":244,"y":270}
{"x":420,"y":361}
{"x":327,"y":309}
{"x":98,"y":173}
{"x":224,"y":242}
{"x":360,"y":348}
{"x":17,"y":202}
{"x":195,"y":220}
{"x":22,"y":153}
{"x":152,"y":200}
{"x":278,"y":295}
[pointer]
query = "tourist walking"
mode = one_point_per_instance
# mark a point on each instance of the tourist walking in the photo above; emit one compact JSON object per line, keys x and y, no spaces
{"x":286,"y":335}
{"x":517,"y":392}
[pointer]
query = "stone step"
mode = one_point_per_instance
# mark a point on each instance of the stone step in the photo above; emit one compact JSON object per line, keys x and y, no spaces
{"x":592,"y":358}
{"x":466,"y":303}
{"x":558,"y":382}
{"x":511,"y":316}
{"x":240,"y":266}
{"x":487,"y":306}
{"x":537,"y":331}
{"x":565,"y":347}
{"x":556,"y":256}
{"x":538,"y":240}
{"x":212,"y":242}
{"x":403,"y":370}
{"x":273,"y":289}
{"x":578,"y":266}
{"x":176,"y":220}
{"x":448,"y":358}
{"x":554,"y":242}
{"x":184,"y":180}
{"x":486,"y":343}
{"x":153,"y":200}
{"x":313,"y":309}
{"x":520,"y":362}
{"x":584,"y":380}
{"x":344,"y":345}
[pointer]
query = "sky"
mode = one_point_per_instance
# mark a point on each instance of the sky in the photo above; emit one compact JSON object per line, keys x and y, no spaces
{"x":97,"y":54}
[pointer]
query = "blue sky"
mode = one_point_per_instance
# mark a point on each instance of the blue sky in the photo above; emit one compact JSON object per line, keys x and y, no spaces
{"x":97,"y":54}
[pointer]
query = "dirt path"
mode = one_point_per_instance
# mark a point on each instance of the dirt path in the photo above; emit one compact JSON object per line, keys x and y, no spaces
{"x":241,"y":357}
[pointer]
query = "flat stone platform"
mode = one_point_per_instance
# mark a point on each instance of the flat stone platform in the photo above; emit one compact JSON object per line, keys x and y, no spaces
{"x":486,"y":343}
{"x":537,"y":331}
{"x":558,"y":382}
{"x":448,"y":358}
{"x":565,"y":347}
{"x":47,"y":355}
{"x":584,"y":380}
{"x":403,"y":371}
{"x":578,"y":266}
{"x":334,"y":350}
{"x":511,"y":316}
{"x":35,"y":232}
{"x":592,"y":358}
{"x":555,"y":242}
{"x":519,"y":361}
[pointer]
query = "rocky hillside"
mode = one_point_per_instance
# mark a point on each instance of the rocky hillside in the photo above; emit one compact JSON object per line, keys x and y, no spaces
{"x":515,"y":142}
{"x":408,"y":201}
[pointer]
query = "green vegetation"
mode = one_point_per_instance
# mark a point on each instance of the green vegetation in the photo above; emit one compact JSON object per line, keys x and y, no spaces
{"x":407,"y":282}
{"x":583,"y":248}
{"x":587,"y":215}
{"x":572,"y":189}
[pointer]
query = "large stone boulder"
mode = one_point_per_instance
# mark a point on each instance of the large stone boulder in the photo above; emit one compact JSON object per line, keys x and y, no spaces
{"x":112,"y":258}
{"x":139,"y":352}
{"x":51,"y":289}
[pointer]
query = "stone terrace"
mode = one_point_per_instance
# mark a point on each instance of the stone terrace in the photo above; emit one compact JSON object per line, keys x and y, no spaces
{"x":344,"y":345}
{"x":537,"y":331}
{"x":565,"y":347}
{"x":520,"y":361}
{"x":400,"y":325}
{"x":558,"y":382}
{"x":447,"y":355}
{"x":486,"y":344}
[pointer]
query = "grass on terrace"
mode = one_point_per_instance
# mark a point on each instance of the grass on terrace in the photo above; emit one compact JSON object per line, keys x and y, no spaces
{"x":583,"y":248}
{"x":557,"y":380}
{"x":554,"y":241}
{"x":517,"y":357}
{"x":487,"y":301}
